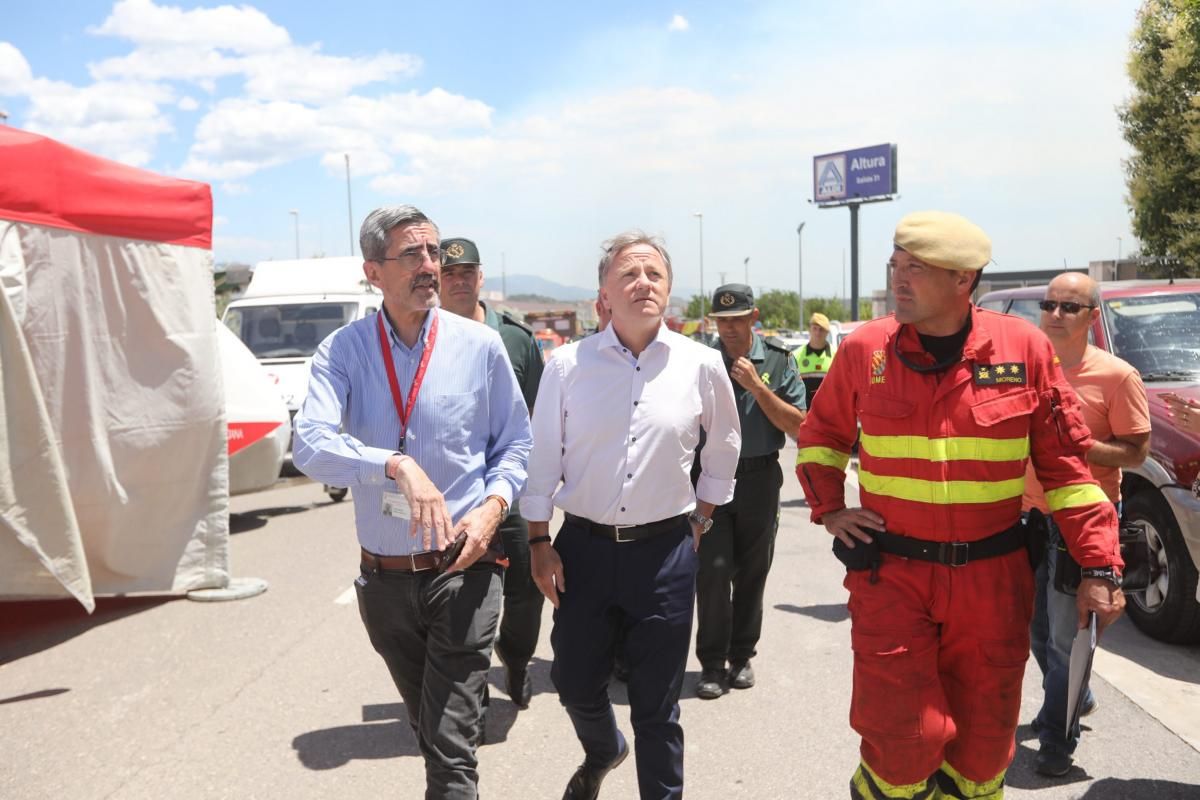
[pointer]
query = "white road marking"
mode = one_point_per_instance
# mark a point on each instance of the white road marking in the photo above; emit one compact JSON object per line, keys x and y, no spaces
{"x":346,"y":597}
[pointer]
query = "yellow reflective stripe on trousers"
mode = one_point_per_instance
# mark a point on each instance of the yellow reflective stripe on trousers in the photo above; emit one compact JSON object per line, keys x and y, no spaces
{"x":951,"y":448}
{"x":823,"y":455}
{"x":954,"y":785}
{"x":942,"y":493}
{"x":1083,"y":494}
{"x":867,"y":785}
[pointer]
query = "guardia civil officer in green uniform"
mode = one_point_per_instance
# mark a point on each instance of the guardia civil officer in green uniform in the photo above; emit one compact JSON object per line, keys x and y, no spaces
{"x":461,"y":282}
{"x":736,"y":553}
{"x":815,"y":356}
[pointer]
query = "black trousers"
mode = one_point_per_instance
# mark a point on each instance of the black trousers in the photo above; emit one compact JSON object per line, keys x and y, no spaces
{"x":640,"y":594}
{"x":735,"y":557}
{"x":435,"y":634}
{"x":522,"y":619}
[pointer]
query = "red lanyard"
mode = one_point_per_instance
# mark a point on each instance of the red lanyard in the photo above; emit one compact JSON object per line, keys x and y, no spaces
{"x":404,"y":410}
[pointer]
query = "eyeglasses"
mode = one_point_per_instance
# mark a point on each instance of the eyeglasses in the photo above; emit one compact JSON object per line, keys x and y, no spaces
{"x":1066,"y":305}
{"x":416,"y":255}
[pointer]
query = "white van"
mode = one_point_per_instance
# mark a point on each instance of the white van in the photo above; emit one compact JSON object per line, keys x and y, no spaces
{"x":290,"y":307}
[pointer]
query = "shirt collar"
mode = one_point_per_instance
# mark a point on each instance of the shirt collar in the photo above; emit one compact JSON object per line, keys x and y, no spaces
{"x":395,"y":337}
{"x":608,"y":337}
{"x":978,"y":344}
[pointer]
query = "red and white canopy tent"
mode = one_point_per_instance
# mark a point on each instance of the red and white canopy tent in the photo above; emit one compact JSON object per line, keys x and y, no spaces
{"x":113,"y":464}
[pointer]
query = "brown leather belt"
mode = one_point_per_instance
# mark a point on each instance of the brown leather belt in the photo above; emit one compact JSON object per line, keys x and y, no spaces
{"x":626,"y":533}
{"x":423,"y":561}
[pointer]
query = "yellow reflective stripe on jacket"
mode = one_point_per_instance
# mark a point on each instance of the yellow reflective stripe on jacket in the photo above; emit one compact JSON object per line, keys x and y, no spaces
{"x":966,"y":789}
{"x":951,"y":448}
{"x":867,"y":785}
{"x":1083,"y":494}
{"x":823,"y":455}
{"x":942,"y":493}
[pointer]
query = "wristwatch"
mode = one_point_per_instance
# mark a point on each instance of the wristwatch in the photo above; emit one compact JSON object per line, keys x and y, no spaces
{"x":704,"y":522}
{"x":1110,"y":574}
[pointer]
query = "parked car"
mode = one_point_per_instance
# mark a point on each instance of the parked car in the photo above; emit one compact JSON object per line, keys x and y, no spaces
{"x":1155,"y":326}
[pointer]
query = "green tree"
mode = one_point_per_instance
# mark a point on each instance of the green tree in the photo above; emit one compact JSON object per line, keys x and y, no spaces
{"x":695,"y":309}
{"x":1162,"y":123}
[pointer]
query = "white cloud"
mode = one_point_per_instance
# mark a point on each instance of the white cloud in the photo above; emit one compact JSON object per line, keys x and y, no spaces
{"x":233,"y":188}
{"x":187,"y":104}
{"x":306,"y":75}
{"x":678,"y":23}
{"x":242,"y":29}
{"x":15,"y":75}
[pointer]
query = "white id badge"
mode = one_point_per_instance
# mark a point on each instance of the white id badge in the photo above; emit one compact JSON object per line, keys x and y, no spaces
{"x":396,"y":505}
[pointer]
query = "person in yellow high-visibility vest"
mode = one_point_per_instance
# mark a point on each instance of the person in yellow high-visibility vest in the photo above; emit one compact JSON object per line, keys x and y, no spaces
{"x":813,"y":359}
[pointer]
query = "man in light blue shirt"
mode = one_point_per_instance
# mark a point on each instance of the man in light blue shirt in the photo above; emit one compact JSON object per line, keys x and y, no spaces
{"x":418,"y":411}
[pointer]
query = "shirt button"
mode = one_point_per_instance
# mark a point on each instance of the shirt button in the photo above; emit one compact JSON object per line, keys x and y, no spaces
{"x":639,"y":369}
{"x":629,"y":475}
{"x":622,"y":508}
{"x":633,"y":438}
{"x":635,"y":402}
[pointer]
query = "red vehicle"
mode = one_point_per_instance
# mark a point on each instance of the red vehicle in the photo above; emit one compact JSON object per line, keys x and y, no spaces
{"x":1155,"y":326}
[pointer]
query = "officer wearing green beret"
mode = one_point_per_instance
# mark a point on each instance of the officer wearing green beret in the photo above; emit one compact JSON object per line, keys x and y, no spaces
{"x":736,"y":553}
{"x":461,"y":282}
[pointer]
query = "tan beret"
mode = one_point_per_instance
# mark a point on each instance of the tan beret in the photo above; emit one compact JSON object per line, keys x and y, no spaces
{"x":944,"y":240}
{"x":819,"y":319}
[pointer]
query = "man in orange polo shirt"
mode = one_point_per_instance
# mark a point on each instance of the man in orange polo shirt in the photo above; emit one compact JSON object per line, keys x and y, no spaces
{"x":1117,"y":414}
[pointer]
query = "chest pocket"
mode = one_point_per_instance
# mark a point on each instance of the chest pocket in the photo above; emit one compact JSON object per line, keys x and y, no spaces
{"x":1007,"y":415}
{"x":455,"y":414}
{"x":878,"y":413}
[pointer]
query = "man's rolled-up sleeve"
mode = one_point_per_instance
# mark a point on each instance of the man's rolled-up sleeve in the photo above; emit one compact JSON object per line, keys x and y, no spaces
{"x":723,"y":429}
{"x":319,"y":449}
{"x":509,"y":439}
{"x":545,"y":461}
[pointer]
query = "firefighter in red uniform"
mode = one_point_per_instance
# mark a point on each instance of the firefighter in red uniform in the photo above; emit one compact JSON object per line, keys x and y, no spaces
{"x":952,"y":400}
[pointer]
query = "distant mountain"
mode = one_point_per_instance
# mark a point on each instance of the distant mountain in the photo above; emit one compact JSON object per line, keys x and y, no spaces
{"x":532,"y":284}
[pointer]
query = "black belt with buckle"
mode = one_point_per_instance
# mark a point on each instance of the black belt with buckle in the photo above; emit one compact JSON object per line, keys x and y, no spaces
{"x":627,"y":533}
{"x":952,"y":554}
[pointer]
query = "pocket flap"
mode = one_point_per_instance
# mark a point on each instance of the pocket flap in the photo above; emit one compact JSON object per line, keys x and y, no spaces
{"x":1008,"y":406}
{"x":890,"y":407}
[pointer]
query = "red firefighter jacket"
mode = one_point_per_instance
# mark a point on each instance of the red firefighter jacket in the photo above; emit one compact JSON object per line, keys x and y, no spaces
{"x":942,"y":455}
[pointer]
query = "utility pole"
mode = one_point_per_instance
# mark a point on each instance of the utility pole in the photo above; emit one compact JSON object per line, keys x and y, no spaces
{"x":296,"y":218}
{"x":746,"y":264}
{"x":700,"y":216}
{"x":800,"y":272}
{"x":503,"y":276}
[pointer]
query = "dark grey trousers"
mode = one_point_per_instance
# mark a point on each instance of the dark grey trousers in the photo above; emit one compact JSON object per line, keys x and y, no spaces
{"x":435,"y":634}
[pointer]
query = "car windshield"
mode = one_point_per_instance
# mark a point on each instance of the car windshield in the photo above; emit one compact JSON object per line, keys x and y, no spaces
{"x":292,"y":330}
{"x":1157,"y":334}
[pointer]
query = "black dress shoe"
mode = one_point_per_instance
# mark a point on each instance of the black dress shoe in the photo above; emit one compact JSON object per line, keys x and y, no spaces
{"x":741,"y":675}
{"x":517,"y":682}
{"x":712,"y":684}
{"x":585,"y":783}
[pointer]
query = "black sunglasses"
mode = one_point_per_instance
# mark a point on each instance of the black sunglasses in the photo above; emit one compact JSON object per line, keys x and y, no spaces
{"x":1066,"y":305}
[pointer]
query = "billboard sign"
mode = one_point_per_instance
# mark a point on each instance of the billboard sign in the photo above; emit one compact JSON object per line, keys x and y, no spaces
{"x":866,"y":173}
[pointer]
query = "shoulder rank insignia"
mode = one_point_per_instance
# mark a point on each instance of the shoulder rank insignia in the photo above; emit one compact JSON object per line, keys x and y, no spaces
{"x":992,"y":374}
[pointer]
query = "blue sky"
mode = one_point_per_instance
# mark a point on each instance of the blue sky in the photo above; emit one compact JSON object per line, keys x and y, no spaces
{"x":539,"y":130}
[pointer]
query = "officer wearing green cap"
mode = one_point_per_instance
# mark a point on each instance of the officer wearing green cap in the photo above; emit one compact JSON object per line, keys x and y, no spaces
{"x":461,"y":282}
{"x":736,"y":553}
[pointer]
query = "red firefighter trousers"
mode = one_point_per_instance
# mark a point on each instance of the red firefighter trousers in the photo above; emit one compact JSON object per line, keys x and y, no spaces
{"x":939,"y":655}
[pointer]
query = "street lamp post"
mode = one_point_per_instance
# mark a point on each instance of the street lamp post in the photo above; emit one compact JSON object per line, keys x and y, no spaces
{"x":296,"y":219}
{"x":746,"y":264}
{"x":800,"y":271}
{"x":700,"y":216}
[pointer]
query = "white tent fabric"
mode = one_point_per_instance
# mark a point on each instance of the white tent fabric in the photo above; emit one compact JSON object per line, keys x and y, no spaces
{"x":113,"y":462}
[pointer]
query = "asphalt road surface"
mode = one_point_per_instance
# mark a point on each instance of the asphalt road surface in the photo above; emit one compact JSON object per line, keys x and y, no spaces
{"x":281,"y":696}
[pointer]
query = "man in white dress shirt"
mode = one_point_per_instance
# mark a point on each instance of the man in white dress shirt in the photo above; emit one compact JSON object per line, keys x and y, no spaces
{"x":617,"y":419}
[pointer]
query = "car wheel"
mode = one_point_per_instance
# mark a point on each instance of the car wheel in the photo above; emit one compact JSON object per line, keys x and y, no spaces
{"x":1167,"y":610}
{"x":336,"y":495}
